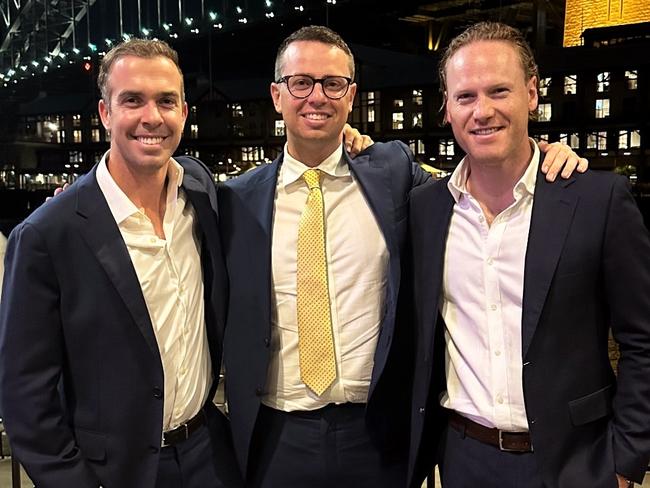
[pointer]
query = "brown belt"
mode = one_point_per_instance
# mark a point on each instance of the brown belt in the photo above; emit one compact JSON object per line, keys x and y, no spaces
{"x":506,"y":441}
{"x":183,"y":431}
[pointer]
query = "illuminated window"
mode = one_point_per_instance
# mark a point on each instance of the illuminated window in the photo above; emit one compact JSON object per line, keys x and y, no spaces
{"x":279,"y":128}
{"x":544,"y":111}
{"x":95,"y":135}
{"x":94,"y":119}
{"x":60,"y":136}
{"x":542,"y":137}
{"x":417,"y":120}
{"x":572,"y":140}
{"x":75,"y":157}
{"x":417,"y":97}
{"x":371,"y":114}
{"x":602,"y":108}
{"x":193,"y":113}
{"x":597,"y":140}
{"x":570,"y":84}
{"x":398,"y":120}
{"x":76,"y":120}
{"x":76,"y":136}
{"x":629,"y":139}
{"x":632,"y":78}
{"x":194,"y":131}
{"x":252,"y":153}
{"x":602,"y":82}
{"x":369,"y":106}
{"x":544,"y":84}
{"x":398,"y":103}
{"x":237,"y":111}
{"x":446,"y":147}
{"x":417,"y":146}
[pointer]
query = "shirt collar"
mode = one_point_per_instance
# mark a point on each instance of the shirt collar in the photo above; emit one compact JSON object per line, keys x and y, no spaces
{"x":120,"y":205}
{"x":334,"y":165}
{"x":457,"y":183}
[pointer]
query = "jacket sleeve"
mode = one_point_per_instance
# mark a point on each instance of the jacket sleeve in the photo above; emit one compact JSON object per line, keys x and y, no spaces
{"x":627,"y":279}
{"x":32,"y":358}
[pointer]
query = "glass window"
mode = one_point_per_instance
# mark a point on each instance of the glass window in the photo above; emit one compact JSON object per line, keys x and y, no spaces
{"x":279,"y":128}
{"x":417,"y":146}
{"x":544,"y":111}
{"x":76,"y":136}
{"x":194,"y":131}
{"x":597,"y":140}
{"x":629,"y":139}
{"x":572,"y":140}
{"x":602,"y":108}
{"x":398,"y":103}
{"x":237,"y":110}
{"x":602,"y":82}
{"x":94,"y":119}
{"x":570,"y":84}
{"x":542,"y":137}
{"x":417,"y":97}
{"x":544,"y":84}
{"x":76,"y":120}
{"x":95,"y":135}
{"x":446,"y":147}
{"x":632,"y":79}
{"x":398,"y":120}
{"x":417,"y":120}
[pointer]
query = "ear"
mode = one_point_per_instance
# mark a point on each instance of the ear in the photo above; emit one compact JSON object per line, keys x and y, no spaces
{"x":104,"y":114}
{"x":531,"y":88}
{"x":275,"y":95}
{"x":185,"y":112}
{"x":352,"y":91}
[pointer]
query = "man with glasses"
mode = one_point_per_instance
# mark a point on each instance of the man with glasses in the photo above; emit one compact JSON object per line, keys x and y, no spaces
{"x":313,"y":245}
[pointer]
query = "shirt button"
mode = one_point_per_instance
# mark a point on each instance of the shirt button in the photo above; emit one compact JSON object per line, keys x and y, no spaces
{"x":152,"y":240}
{"x":497,"y":353}
{"x":499,"y":399}
{"x":490,"y":261}
{"x":157,"y":393}
{"x":493,"y":307}
{"x":481,"y":218}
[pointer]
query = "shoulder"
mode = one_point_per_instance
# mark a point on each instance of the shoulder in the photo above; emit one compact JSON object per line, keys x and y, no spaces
{"x":252,"y":178}
{"x":431,"y":189}
{"x":195,"y":167}
{"x":390,"y":149}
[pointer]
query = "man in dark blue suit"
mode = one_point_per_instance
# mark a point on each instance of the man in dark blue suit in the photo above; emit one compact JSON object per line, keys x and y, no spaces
{"x":351,"y":429}
{"x":517,"y":283}
{"x":114,"y":305}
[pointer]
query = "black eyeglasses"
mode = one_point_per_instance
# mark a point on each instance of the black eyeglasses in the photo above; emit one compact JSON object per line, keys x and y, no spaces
{"x":301,"y":86}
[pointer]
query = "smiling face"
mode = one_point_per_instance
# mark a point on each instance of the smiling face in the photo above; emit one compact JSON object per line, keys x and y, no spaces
{"x":314,"y":125}
{"x":488,"y":102}
{"x":146,"y":114}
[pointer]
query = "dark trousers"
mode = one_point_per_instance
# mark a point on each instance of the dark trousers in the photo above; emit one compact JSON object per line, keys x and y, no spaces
{"x":468,"y":463}
{"x":205,"y":460}
{"x":326,"y":448}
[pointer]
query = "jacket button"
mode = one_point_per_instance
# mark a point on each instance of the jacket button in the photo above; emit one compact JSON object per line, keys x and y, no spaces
{"x":421,"y":410}
{"x":259,"y":391}
{"x":157,"y":393}
{"x":267,"y":342}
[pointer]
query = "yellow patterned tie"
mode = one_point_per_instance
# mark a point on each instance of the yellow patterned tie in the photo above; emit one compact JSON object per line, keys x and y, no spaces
{"x":316,"y":345}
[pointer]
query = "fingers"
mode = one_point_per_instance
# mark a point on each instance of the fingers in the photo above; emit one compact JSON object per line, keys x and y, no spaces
{"x":583,"y":165}
{"x":57,"y":190}
{"x":559,"y":159}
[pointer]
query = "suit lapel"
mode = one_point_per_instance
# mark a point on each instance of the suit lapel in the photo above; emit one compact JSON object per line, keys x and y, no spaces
{"x":553,"y":210}
{"x":374,"y":180}
{"x":102,"y":235}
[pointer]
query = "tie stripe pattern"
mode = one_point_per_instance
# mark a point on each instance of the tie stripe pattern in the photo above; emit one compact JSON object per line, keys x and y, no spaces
{"x":315,"y":341}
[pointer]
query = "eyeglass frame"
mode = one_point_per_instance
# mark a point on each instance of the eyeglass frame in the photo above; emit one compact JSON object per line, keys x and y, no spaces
{"x":285,"y":79}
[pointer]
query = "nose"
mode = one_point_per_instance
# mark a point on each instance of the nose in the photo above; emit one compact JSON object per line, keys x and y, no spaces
{"x":318,"y":94}
{"x":483,"y":109}
{"x":151,"y":115}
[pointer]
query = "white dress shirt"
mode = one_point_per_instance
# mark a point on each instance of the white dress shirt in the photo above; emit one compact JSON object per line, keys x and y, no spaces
{"x":357,"y":267}
{"x":483,"y":285}
{"x":170,"y":276}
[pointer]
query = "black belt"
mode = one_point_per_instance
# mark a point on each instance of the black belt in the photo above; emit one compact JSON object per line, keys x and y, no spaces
{"x":506,"y":441}
{"x":184,"y":431}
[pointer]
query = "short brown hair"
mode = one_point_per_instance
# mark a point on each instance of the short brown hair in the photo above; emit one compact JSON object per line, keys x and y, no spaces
{"x":489,"y":31}
{"x":316,"y":33}
{"x":141,"y":48}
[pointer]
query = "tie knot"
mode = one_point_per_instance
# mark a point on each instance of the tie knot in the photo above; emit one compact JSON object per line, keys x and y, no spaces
{"x":312,"y":178}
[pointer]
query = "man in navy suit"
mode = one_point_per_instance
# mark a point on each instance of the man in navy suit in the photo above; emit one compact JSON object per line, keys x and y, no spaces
{"x":354,"y":432}
{"x":517,"y":283}
{"x":114,"y":305}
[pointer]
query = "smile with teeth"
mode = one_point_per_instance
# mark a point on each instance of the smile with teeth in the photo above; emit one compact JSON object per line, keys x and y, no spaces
{"x":150,"y":140}
{"x":311,"y":116}
{"x":485,"y":132}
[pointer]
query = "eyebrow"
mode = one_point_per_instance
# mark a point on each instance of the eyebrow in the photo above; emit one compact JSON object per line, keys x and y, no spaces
{"x":127,"y":94}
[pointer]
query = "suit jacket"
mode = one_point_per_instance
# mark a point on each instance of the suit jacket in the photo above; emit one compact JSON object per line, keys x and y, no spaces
{"x":587,"y":270}
{"x":81,"y":375}
{"x":386,"y":174}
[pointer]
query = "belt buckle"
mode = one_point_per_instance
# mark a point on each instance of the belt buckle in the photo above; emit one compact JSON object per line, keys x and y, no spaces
{"x":505,"y":449}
